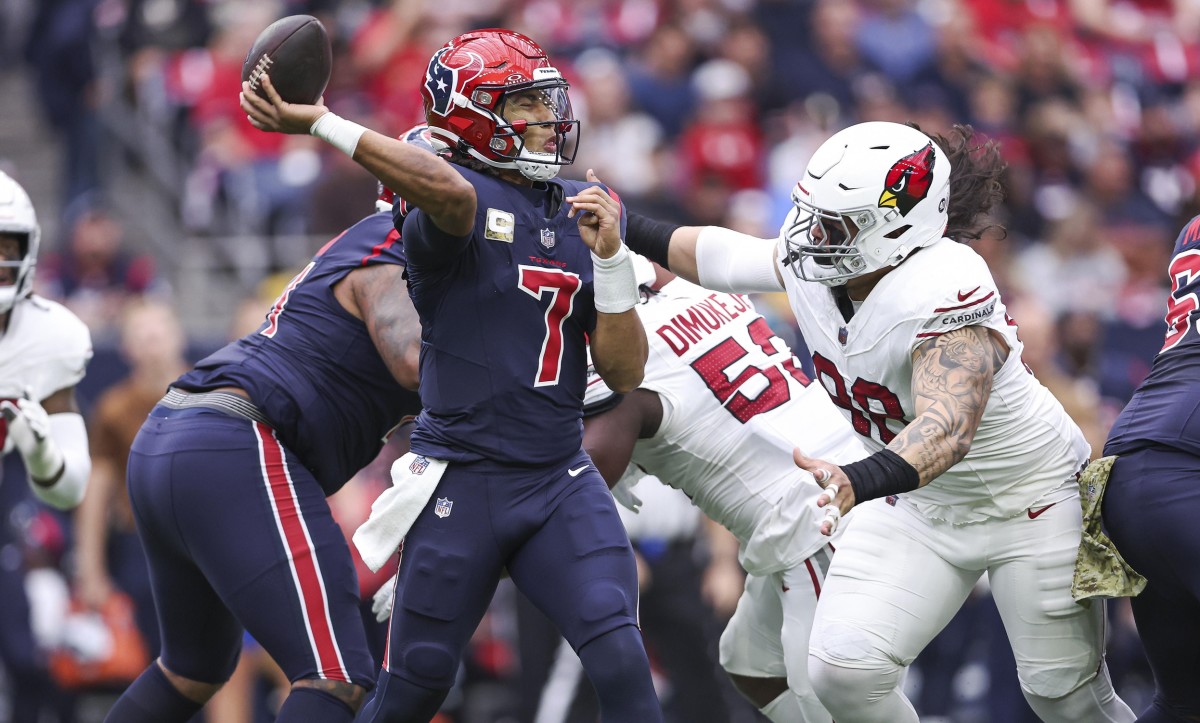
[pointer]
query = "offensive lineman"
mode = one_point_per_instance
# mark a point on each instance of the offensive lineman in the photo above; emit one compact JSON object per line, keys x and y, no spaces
{"x":723,"y":404}
{"x":975,"y":459}
{"x":1153,"y":481}
{"x":44,"y":351}
{"x":228,"y":478}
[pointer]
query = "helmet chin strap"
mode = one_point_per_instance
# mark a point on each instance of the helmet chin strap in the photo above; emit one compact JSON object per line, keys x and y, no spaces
{"x":533,"y":169}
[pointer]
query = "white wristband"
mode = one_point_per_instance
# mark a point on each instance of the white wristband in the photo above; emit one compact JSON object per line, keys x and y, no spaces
{"x":70,"y":435}
{"x":614,"y":282}
{"x":338,"y":132}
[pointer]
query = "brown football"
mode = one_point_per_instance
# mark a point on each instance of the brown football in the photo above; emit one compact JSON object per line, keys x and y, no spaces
{"x":295,"y":52}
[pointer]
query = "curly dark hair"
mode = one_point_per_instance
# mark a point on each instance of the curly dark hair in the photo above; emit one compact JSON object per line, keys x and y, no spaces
{"x":975,"y":181}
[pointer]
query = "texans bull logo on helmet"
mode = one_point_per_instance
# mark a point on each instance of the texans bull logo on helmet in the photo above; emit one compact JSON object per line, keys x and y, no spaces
{"x":442,"y":80}
{"x":908,"y":180}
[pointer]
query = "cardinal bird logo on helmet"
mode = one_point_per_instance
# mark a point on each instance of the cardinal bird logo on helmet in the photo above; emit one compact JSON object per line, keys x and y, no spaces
{"x":908,"y":180}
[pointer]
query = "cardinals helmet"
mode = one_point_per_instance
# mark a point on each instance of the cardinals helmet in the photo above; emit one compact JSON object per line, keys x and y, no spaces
{"x":871,"y":195}
{"x":17,"y":218}
{"x":486,"y":89}
{"x":420,"y":137}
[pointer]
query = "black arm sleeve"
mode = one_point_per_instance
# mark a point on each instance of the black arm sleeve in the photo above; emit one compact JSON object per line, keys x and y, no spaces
{"x":649,"y":238}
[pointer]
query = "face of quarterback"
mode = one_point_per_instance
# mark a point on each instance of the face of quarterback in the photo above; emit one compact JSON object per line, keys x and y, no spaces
{"x":10,"y":251}
{"x":533,"y":106}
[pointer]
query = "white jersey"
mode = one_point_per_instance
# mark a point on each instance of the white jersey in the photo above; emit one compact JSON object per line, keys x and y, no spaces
{"x":735,"y":403}
{"x":45,"y":348}
{"x":1026,"y":445}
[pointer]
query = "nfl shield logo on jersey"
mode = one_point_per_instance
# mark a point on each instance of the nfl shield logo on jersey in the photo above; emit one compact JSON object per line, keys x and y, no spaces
{"x":548,"y":238}
{"x":442,"y":508}
{"x":843,"y":335}
{"x":419,"y":465}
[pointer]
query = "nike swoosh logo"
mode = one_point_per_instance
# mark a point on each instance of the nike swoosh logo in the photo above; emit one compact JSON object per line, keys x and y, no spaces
{"x":964,"y":297}
{"x":575,"y":472}
{"x":1034,"y":514}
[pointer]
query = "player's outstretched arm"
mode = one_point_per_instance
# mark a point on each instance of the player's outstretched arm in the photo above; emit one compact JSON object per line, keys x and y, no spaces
{"x":712,"y":256}
{"x":424,"y":180}
{"x":52,"y":440}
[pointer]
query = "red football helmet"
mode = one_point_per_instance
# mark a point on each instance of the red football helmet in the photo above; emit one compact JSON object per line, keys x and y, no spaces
{"x":486,"y":90}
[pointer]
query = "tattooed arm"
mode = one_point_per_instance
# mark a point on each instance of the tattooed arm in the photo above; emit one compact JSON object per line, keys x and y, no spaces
{"x":378,"y":295}
{"x":951,"y":383}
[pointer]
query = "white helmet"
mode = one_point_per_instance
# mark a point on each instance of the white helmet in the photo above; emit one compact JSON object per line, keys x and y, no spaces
{"x":18,"y":219}
{"x":877,"y":192}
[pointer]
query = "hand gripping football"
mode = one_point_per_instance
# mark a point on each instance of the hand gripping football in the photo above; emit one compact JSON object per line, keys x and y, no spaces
{"x":295,"y":52}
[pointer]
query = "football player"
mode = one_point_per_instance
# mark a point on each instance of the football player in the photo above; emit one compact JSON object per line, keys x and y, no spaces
{"x":1154,"y":482}
{"x":229,"y":473}
{"x":723,"y":404}
{"x":974,"y":463}
{"x":44,"y":351}
{"x":513,"y":273}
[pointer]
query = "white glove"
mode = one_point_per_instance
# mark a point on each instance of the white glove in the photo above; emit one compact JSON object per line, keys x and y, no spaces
{"x":622,"y":491}
{"x":381,"y":601}
{"x":29,"y":427}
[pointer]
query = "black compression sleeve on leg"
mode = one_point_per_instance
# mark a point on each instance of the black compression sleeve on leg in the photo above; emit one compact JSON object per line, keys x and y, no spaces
{"x":883,"y":473}
{"x":649,"y":238}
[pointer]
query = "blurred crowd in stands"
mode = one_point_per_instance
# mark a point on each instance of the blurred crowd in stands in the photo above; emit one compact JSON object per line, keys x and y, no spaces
{"x":702,"y":112}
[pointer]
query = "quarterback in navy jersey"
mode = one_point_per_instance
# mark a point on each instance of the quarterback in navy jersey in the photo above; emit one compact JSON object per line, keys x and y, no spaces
{"x":228,"y":478}
{"x":514,"y":274}
{"x":1152,"y":498}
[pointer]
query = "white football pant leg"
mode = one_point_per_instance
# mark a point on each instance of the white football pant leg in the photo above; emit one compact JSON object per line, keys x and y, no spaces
{"x":804,"y":585}
{"x":1058,"y":644}
{"x":768,"y":637}
{"x":890,"y":589}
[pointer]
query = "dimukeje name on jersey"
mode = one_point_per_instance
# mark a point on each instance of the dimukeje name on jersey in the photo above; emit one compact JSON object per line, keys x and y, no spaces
{"x":700,"y":320}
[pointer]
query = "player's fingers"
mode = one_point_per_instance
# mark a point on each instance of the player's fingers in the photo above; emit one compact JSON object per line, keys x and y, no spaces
{"x":9,"y":410}
{"x":815,"y":467}
{"x":272,"y":94}
{"x":829,"y":494}
{"x":830,"y":522}
{"x":598,"y":209}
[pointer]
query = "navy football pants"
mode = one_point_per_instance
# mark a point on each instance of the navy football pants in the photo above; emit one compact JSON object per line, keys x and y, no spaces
{"x":238,"y":533}
{"x":558,"y":535}
{"x":1152,"y":513}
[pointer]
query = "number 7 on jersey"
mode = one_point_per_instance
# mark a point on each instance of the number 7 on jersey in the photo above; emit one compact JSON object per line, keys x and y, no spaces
{"x":562,"y":287}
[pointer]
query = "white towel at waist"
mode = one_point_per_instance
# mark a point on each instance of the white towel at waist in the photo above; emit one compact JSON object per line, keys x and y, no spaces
{"x":414,"y":478}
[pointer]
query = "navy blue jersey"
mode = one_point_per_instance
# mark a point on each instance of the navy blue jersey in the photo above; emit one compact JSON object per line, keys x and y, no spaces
{"x":312,"y":367}
{"x":1166,"y":407}
{"x":505,"y":313}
